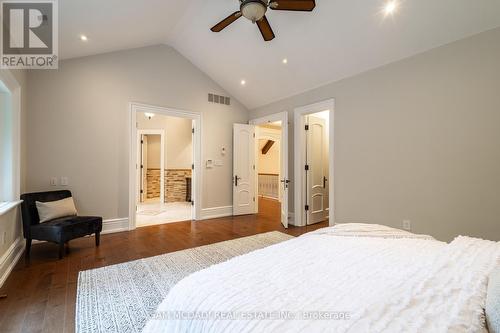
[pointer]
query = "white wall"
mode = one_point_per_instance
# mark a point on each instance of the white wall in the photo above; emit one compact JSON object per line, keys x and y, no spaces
{"x":178,"y":138}
{"x":418,"y":139}
{"x":79,"y":123}
{"x":154,"y":151}
{"x":265,"y":133}
{"x":270,"y":162}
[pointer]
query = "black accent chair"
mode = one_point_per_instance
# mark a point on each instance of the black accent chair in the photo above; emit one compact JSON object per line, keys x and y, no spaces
{"x":60,"y":230}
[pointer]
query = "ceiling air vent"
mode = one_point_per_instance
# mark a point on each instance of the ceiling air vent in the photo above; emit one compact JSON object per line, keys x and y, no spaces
{"x":212,"y":98}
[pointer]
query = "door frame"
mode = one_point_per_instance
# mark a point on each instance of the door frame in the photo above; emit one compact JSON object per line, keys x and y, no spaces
{"x":283,"y":117}
{"x":161,"y":133}
{"x":299,"y":141}
{"x":197,"y":182}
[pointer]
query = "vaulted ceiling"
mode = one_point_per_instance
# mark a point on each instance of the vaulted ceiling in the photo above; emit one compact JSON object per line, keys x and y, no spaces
{"x":340,"y":38}
{"x":112,"y":25}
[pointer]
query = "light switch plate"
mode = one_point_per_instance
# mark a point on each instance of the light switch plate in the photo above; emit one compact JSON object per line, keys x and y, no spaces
{"x":53,"y":181}
{"x":64,"y":181}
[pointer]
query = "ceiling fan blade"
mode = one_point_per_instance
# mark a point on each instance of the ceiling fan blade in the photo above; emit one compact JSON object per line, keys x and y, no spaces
{"x":297,"y":5}
{"x":265,"y":29}
{"x":225,"y":22}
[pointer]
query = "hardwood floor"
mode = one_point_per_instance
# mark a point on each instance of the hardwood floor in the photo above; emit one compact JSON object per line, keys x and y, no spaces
{"x":42,"y":292}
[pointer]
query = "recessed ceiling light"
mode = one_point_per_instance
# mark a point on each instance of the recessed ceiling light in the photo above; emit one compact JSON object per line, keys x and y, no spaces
{"x":83,"y":38}
{"x":285,"y":61}
{"x":243,"y":82}
{"x":390,"y":7}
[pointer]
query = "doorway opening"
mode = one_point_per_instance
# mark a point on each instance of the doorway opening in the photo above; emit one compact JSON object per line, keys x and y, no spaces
{"x":268,"y":166}
{"x":314,"y":156}
{"x":260,"y":168}
{"x":166,"y":152}
{"x":151,"y":160}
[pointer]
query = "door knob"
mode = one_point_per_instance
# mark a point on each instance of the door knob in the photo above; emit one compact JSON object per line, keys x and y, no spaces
{"x":285,"y":183}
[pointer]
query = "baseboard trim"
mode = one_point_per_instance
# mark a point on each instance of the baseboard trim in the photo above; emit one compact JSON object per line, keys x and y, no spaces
{"x":10,"y":259}
{"x":216,"y":212}
{"x":115,"y":225}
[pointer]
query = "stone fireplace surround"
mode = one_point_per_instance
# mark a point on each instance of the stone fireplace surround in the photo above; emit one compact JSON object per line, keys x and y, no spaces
{"x":175,"y":184}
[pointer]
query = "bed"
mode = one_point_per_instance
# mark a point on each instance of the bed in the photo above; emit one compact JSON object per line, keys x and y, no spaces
{"x":347,"y":278}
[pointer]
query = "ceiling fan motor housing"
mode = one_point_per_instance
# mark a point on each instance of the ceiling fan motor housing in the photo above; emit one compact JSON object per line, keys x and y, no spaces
{"x":254,"y":10}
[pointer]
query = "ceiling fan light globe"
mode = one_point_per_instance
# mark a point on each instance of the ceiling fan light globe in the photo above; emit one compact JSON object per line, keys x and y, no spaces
{"x":254,"y":10}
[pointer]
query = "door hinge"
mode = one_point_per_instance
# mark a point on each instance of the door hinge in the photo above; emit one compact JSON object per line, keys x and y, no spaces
{"x":307,"y":127}
{"x":254,"y":135}
{"x":142,"y":142}
{"x":307,"y":207}
{"x":142,"y":166}
{"x":192,"y":166}
{"x":192,"y":130}
{"x":253,"y":199}
{"x":192,"y":203}
{"x":142,"y":191}
{"x":307,"y":167}
{"x":254,"y":166}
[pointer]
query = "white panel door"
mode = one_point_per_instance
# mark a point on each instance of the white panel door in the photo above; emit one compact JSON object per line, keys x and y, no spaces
{"x":243,"y":169}
{"x":318,"y":170}
{"x":284,"y":173}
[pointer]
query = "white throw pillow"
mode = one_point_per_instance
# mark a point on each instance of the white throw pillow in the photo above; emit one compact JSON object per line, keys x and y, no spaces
{"x":54,"y":209}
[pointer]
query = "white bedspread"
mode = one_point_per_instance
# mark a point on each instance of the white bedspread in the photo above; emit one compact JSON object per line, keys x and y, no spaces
{"x":355,"y":284}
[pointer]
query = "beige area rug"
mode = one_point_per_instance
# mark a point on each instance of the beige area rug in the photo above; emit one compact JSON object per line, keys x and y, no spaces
{"x":121,"y":298}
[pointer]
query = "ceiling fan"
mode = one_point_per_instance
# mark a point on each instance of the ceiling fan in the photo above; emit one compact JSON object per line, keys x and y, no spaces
{"x":255,"y":11}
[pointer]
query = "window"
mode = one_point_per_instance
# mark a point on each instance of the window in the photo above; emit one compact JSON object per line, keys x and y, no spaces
{"x":5,"y":144}
{"x":9,"y":138}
